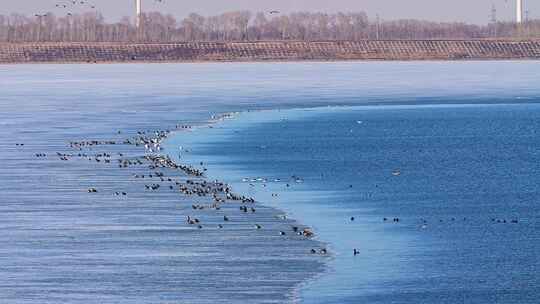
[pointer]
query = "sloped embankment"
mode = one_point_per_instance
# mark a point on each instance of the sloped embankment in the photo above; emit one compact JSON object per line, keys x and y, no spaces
{"x":277,"y":50}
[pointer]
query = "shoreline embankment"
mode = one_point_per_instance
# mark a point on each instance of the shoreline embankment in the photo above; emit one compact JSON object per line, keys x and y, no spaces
{"x":391,"y":50}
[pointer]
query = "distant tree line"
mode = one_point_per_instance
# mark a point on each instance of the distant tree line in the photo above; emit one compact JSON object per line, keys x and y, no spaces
{"x":245,"y":26}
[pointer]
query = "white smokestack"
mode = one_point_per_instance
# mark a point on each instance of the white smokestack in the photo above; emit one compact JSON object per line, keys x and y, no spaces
{"x":138,"y":15}
{"x":519,"y":11}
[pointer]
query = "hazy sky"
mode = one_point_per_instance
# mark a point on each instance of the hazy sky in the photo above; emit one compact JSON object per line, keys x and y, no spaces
{"x":475,"y":11}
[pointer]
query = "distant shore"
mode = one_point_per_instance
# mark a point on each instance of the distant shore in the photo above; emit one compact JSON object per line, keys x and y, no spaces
{"x":387,"y":50}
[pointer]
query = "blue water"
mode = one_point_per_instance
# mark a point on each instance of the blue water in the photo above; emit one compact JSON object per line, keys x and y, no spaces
{"x":61,"y":245}
{"x":456,"y":176}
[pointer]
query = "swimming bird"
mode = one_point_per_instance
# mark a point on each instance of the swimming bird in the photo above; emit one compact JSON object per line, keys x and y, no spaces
{"x":307,"y":233}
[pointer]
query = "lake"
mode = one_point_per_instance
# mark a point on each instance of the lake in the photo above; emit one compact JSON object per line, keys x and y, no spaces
{"x":449,"y":149}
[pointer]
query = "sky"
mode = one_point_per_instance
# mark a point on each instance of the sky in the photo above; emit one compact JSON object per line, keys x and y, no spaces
{"x":471,"y":11}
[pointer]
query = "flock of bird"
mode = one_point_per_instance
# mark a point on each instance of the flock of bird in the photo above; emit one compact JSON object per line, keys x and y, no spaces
{"x":194,"y":183}
{"x":69,"y":7}
{"x":189,"y":181}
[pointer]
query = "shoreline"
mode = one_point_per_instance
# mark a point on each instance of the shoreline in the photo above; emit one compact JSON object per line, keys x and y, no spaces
{"x":284,"y":61}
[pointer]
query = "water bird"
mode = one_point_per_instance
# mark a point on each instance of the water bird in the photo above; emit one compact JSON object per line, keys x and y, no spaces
{"x":356,"y":251}
{"x":192,"y":221}
{"x":307,"y":233}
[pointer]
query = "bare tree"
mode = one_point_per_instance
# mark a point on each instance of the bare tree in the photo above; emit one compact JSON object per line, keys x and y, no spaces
{"x":245,"y":26}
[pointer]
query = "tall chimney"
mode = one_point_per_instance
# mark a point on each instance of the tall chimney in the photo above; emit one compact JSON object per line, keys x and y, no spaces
{"x":138,"y":15}
{"x":519,"y":11}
